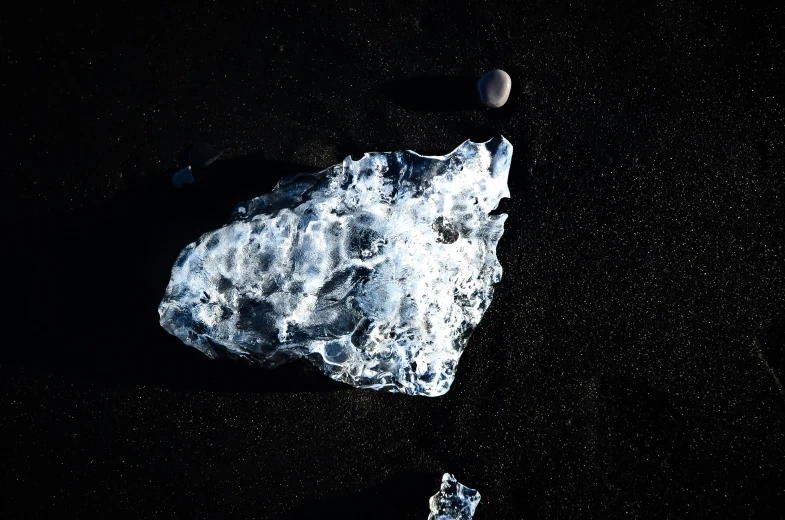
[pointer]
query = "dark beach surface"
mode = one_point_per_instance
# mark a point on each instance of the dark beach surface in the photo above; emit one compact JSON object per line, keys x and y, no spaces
{"x":631,"y":363}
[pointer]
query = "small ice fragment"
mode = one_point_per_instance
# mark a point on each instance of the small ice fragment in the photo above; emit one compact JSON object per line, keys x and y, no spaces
{"x":454,"y":501}
{"x":183,"y":176}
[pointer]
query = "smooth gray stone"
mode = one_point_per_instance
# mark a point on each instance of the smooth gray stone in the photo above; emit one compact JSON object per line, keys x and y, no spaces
{"x":494,"y":88}
{"x":454,"y":501}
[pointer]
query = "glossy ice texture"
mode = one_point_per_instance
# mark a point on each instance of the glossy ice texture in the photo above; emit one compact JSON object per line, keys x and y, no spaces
{"x":454,"y":501}
{"x":376,"y":270}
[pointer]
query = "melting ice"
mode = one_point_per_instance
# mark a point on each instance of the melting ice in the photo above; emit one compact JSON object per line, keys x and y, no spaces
{"x":376,"y":270}
{"x":454,"y":501}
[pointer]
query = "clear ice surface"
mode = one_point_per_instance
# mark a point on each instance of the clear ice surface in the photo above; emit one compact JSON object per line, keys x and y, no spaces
{"x":376,"y":270}
{"x":454,"y":501}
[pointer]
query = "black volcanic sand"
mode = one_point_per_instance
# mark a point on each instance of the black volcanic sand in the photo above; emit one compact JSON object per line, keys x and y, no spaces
{"x":630,"y":365}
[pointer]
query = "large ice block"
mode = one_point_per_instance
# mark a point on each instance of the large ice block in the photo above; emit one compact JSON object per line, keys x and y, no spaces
{"x":377,"y":270}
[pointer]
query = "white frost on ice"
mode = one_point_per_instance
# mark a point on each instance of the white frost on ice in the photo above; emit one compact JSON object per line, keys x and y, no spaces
{"x":454,"y":501}
{"x":377,"y":270}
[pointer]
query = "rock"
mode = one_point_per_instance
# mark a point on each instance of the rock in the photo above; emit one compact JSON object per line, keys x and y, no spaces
{"x":376,"y":270}
{"x":203,"y":154}
{"x":454,"y":501}
{"x":494,"y":88}
{"x":183,"y":176}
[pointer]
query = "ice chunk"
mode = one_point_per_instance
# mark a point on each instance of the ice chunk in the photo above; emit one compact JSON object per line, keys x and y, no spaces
{"x":454,"y":501}
{"x":183,"y":176}
{"x":376,"y":270}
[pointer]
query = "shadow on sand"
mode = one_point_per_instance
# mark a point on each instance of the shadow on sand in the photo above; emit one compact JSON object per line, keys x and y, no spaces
{"x":89,"y":284}
{"x":403,"y":496}
{"x":434,"y":93}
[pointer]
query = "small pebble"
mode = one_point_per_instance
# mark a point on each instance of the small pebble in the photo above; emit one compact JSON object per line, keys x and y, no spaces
{"x":183,"y":176}
{"x":494,"y":88}
{"x":203,"y":154}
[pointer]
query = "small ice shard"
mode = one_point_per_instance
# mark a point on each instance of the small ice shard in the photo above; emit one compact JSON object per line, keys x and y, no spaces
{"x":376,"y":270}
{"x":494,"y":88}
{"x":203,"y":154}
{"x":454,"y":501}
{"x":183,"y":176}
